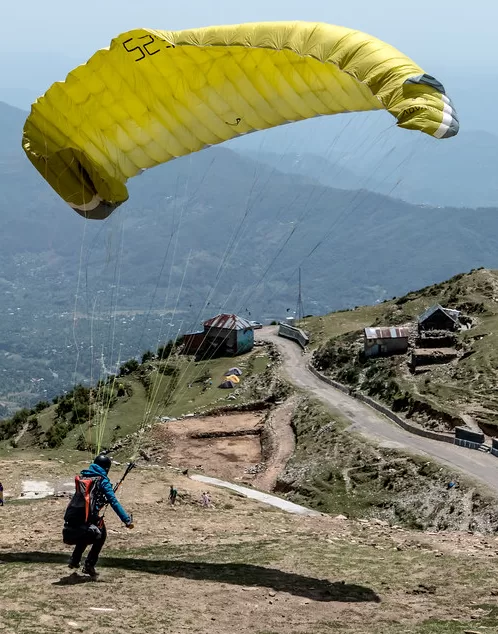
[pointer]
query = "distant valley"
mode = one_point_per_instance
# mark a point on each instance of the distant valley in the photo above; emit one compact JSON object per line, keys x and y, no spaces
{"x":222,"y":230}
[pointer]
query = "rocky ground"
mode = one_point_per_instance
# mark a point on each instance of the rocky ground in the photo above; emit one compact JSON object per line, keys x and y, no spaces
{"x":237,"y":566}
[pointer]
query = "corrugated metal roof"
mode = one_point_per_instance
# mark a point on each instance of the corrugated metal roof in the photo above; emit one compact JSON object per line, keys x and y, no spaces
{"x":387,"y":333}
{"x":228,"y":322}
{"x":452,"y":314}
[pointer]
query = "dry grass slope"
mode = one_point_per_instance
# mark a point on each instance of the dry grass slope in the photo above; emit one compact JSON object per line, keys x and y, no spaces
{"x":336,"y":471}
{"x":442,"y":396}
{"x":238,"y":566}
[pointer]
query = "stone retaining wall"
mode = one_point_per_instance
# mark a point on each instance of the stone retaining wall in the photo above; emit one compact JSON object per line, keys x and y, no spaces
{"x":402,"y":422}
{"x":296,"y":334}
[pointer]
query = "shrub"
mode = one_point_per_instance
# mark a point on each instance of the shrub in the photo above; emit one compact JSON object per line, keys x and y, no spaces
{"x":163,"y":352}
{"x":56,"y":434}
{"x":82,"y":444}
{"x":129,"y":367}
{"x":41,"y":405}
{"x":12,"y":426}
{"x":147,"y":356}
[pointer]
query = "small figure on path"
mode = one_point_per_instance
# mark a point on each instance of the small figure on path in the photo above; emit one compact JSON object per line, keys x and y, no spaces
{"x":206,"y":499}
{"x":172,"y":494}
{"x":1,"y":494}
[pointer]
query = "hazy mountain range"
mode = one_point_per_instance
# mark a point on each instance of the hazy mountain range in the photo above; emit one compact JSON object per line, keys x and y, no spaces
{"x":459,"y":172}
{"x":224,"y":229}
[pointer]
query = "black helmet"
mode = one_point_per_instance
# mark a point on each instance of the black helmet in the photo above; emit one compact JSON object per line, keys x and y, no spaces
{"x":103,"y":461}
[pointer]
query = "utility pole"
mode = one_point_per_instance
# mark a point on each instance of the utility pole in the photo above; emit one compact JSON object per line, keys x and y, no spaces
{"x":299,"y":307}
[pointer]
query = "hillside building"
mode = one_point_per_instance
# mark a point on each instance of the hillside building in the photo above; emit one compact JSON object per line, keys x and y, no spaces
{"x":438,"y":318}
{"x":224,"y":335}
{"x":384,"y":342}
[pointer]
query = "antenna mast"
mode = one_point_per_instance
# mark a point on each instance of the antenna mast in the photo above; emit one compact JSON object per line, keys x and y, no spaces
{"x":299,"y":307}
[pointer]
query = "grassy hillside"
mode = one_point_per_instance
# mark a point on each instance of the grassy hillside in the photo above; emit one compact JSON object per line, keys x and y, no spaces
{"x":439,"y":396}
{"x":142,"y":393}
{"x":337,"y":471}
{"x":244,"y":565}
{"x":331,"y":469}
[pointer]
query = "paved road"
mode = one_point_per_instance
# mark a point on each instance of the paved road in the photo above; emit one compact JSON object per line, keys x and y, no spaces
{"x":367,"y":421}
{"x":266,"y":498}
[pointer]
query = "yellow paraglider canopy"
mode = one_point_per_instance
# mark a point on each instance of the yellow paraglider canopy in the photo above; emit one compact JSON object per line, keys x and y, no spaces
{"x":157,"y":95}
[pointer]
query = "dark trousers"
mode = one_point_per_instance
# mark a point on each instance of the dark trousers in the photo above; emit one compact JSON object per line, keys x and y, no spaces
{"x":96,"y":543}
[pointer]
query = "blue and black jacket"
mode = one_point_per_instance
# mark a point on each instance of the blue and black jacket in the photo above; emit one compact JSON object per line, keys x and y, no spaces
{"x":106,"y":492}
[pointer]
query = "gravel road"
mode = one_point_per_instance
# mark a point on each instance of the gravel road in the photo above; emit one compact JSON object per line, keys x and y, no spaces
{"x":364,"y":419}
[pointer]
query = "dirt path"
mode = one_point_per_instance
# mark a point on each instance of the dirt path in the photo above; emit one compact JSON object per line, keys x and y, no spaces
{"x":21,"y":433}
{"x":365,"y":420}
{"x":281,"y":443}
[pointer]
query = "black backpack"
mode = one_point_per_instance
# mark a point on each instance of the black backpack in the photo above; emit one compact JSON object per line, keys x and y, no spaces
{"x":82,"y":509}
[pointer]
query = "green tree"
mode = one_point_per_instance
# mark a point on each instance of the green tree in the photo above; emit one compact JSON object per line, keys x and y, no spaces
{"x":147,"y":356}
{"x":130,"y":366}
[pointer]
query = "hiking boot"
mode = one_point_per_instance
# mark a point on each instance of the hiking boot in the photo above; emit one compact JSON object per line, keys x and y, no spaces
{"x":73,"y":564}
{"x":89,"y":569}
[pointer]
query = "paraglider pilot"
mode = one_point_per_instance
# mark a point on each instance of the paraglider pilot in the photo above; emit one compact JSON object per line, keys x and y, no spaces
{"x":83,"y":524}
